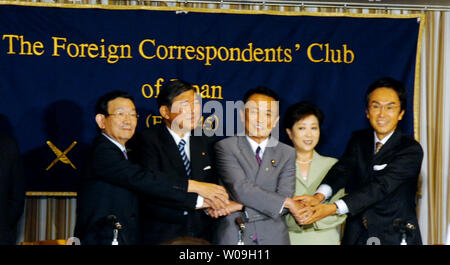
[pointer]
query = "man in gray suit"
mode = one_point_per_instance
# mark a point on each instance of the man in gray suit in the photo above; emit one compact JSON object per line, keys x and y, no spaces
{"x":259,"y":173}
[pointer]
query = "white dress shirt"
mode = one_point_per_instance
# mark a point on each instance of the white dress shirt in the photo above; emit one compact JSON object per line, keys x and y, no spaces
{"x":255,"y":145}
{"x":177,"y":139}
{"x":327,"y":191}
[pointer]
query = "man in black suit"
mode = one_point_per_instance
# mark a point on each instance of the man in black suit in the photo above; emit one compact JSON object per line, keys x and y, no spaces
{"x":111,"y":183}
{"x":173,"y":147}
{"x":379,"y":171}
{"x":12,"y":193}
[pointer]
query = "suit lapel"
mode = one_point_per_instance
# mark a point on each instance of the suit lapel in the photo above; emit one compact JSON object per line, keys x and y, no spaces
{"x":248,"y":156}
{"x":314,"y":170}
{"x":198,"y":150}
{"x":171,"y":150}
{"x":389,"y":145}
{"x":270,"y":159}
{"x":367,"y":143}
{"x":103,"y":138}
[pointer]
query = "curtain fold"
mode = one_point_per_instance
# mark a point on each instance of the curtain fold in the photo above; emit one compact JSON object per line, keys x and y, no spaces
{"x":436,"y":141}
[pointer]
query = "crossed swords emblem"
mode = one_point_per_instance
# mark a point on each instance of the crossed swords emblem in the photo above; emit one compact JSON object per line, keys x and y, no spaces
{"x":61,"y":156}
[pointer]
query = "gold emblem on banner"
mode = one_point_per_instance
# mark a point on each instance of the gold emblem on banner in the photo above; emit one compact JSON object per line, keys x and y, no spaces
{"x":61,"y":156}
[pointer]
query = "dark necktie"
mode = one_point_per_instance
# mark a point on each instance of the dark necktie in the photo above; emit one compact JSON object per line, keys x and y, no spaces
{"x":258,"y":157}
{"x":125,"y":154}
{"x":187,"y":164}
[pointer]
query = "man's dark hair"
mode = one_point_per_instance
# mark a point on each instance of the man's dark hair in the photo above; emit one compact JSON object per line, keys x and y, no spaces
{"x":263,"y":91}
{"x":299,"y":111}
{"x":171,"y":89}
{"x":388,"y":82}
{"x":102,"y":104}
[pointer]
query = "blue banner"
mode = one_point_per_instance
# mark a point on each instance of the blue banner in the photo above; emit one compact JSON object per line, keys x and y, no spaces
{"x":55,"y":62}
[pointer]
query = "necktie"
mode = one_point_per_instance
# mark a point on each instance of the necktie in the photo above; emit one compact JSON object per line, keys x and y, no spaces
{"x":378,"y":146}
{"x":258,"y":157}
{"x":187,"y":164}
{"x":125,"y":154}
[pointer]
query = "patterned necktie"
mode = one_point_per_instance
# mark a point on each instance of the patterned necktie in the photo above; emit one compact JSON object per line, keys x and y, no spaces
{"x":187,"y":164}
{"x":258,"y":158}
{"x":378,"y":146}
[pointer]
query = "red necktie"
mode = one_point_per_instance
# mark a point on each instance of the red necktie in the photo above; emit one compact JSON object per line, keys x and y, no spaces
{"x":258,"y":158}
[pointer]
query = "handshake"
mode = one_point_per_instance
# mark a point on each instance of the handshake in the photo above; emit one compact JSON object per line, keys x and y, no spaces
{"x":305,"y":209}
{"x":216,"y":201}
{"x":308,"y":209}
{"x":214,"y":196}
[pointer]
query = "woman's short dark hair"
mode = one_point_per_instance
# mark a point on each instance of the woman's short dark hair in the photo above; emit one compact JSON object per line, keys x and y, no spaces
{"x":102,"y":103}
{"x":263,"y":91}
{"x":171,"y":89}
{"x":299,"y":111}
{"x":389,"y":82}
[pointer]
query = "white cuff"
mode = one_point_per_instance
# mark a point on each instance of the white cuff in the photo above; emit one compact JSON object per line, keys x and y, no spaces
{"x":325,"y":190}
{"x":341,"y":207}
{"x":199,"y":203}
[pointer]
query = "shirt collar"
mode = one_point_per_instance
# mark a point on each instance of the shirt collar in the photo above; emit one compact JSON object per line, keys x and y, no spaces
{"x":255,"y":145}
{"x":121,"y":147}
{"x":385,"y":139}
{"x":177,"y":138}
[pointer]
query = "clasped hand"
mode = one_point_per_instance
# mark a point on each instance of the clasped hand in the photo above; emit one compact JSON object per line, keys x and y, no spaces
{"x":307,"y":209}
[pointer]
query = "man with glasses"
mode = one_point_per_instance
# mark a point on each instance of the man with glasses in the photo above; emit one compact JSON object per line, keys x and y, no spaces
{"x":110,"y":186}
{"x":379,"y":171}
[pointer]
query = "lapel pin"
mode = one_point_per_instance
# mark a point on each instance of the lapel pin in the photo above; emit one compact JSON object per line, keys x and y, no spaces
{"x":273,"y":163}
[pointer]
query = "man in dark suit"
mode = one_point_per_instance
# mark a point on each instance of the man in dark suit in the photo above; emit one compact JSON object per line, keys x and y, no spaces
{"x":175,"y":147}
{"x":112,"y":181}
{"x":12,"y":193}
{"x":379,"y":171}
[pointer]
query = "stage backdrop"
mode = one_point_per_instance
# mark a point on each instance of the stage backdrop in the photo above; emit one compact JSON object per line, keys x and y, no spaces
{"x":55,"y":61}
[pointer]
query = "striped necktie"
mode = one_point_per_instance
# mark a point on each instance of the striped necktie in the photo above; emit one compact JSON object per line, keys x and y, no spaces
{"x":187,"y":164}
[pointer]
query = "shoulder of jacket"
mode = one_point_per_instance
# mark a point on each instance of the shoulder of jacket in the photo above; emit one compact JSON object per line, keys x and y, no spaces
{"x":327,"y":160}
{"x":228,"y":140}
{"x":285,"y":147}
{"x":150,"y":131}
{"x":408,"y":140}
{"x":362,"y":133}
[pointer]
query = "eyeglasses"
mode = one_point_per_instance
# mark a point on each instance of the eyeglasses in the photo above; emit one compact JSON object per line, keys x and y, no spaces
{"x":122,"y":115}
{"x":376,"y":108}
